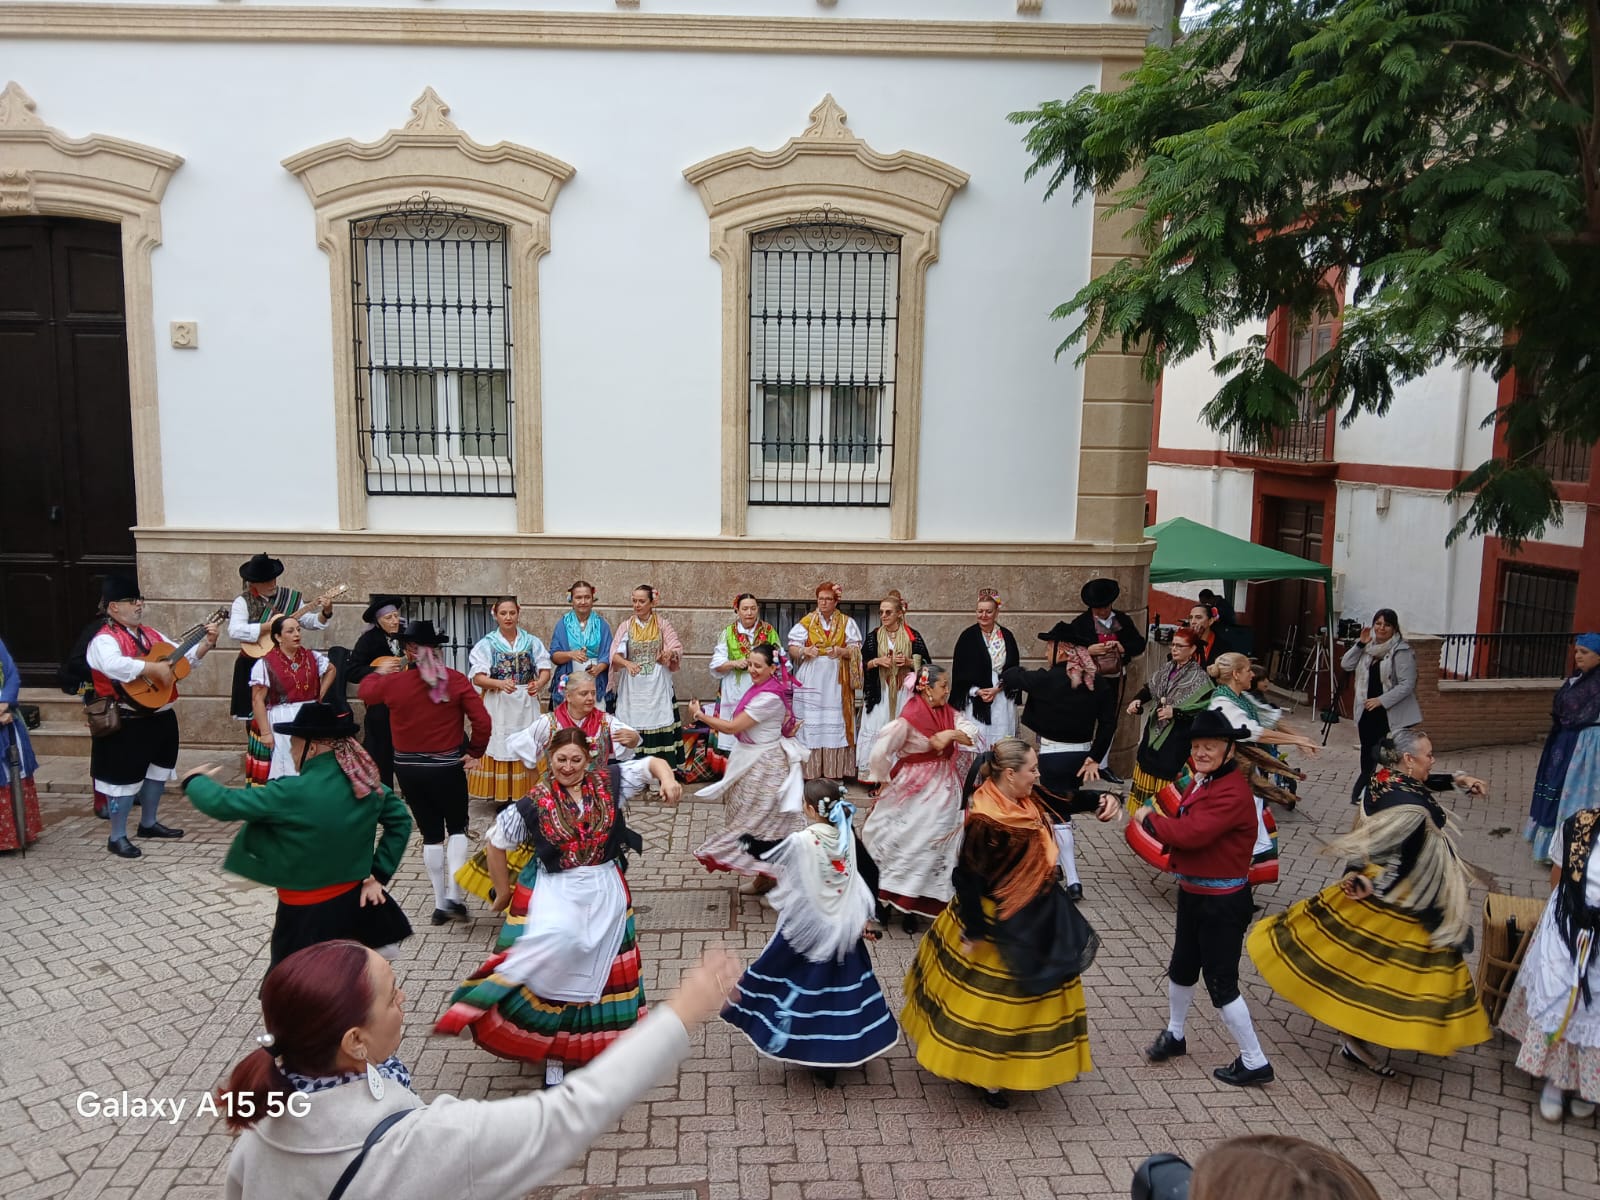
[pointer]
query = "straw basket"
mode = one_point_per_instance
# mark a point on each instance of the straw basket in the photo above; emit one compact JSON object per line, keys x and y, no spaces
{"x":1503,"y":949}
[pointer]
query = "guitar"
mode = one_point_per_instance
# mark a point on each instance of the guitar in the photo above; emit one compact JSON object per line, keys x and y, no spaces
{"x":398,"y":661}
{"x":159,"y":695}
{"x":263,"y":645}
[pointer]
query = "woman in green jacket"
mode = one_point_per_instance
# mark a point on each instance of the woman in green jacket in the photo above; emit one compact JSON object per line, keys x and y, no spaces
{"x":311,"y":836}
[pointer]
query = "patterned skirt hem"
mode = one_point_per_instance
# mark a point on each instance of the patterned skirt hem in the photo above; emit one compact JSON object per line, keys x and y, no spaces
{"x":1564,"y":1064}
{"x":831,"y":762}
{"x":921,"y":906}
{"x":34,"y":824}
{"x":499,"y":781}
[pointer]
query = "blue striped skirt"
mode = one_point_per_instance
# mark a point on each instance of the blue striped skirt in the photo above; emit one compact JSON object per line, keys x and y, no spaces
{"x":828,"y":1014}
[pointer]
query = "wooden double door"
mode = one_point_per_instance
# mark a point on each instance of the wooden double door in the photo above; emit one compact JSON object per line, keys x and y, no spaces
{"x":66,"y":435}
{"x":1292,"y":611}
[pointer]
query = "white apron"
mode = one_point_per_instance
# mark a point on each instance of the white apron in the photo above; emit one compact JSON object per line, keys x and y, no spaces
{"x":576,"y":920}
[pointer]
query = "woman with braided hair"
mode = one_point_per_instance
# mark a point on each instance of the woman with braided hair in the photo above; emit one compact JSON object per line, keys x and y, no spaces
{"x":993,"y":998}
{"x":1379,"y":955}
{"x":812,"y":998}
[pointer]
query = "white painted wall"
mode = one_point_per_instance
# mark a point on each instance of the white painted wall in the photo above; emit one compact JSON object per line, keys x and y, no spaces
{"x":1436,"y":420}
{"x":1216,"y":496}
{"x":1188,"y":386}
{"x":1065,"y":12}
{"x":630,"y":295}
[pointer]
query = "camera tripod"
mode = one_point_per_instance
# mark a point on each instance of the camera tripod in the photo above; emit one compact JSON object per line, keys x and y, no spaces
{"x":1322,"y":661}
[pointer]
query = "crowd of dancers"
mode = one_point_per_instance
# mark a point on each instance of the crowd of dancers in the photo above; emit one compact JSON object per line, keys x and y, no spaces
{"x":970,"y":827}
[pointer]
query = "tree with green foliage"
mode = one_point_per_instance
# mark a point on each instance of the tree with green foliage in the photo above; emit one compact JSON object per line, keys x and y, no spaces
{"x":1443,"y":157}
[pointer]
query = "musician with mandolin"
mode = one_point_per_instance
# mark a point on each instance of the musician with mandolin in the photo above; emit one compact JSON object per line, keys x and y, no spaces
{"x":378,"y":650}
{"x":135,"y":669}
{"x":250,"y":624}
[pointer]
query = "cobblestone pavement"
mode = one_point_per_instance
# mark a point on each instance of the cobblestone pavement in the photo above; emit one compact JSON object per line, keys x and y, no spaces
{"x":140,"y":976}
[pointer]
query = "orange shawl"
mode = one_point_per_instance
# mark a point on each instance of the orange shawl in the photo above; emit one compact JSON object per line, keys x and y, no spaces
{"x":1022,"y":824}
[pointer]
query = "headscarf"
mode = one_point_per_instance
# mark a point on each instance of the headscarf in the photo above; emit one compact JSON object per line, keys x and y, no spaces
{"x":357,"y":766}
{"x":1577,"y":704}
{"x":434,"y":673}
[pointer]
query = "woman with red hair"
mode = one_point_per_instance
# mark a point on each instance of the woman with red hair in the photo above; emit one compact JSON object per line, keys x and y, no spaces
{"x":825,"y":647}
{"x":324,"y":1106}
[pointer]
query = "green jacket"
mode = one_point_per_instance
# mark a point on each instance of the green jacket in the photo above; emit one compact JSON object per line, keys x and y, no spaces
{"x":307,"y":831}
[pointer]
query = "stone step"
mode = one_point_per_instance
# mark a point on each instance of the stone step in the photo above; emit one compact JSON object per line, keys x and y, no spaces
{"x":71,"y":739}
{"x":54,"y":704}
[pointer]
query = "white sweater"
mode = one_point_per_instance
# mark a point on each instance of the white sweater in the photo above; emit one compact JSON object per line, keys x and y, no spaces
{"x":461,"y":1149}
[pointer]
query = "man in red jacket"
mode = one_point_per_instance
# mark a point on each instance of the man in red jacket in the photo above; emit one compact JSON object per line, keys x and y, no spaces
{"x":431,"y":755}
{"x":1211,"y":842}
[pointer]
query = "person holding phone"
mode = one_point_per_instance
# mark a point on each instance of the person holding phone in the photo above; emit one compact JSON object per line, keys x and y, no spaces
{"x":1385,"y":671}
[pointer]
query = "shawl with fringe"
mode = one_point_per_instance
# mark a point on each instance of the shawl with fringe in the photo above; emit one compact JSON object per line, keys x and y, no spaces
{"x":1019,"y":832}
{"x":823,"y":903}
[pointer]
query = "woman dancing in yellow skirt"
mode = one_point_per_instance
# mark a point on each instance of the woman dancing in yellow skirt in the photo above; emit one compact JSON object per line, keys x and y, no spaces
{"x":993,"y":998}
{"x":1378,"y":955}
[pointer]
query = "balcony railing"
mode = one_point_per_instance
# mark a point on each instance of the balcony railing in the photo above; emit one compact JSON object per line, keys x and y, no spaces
{"x":1504,"y":655}
{"x":1303,"y":440}
{"x":1567,"y":462}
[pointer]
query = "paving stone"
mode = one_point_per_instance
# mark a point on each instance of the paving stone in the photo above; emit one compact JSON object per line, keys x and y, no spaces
{"x":141,"y":976}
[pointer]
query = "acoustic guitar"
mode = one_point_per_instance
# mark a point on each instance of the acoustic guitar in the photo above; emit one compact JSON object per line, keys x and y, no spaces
{"x":263,"y":645}
{"x":397,"y":661}
{"x":158,"y":695}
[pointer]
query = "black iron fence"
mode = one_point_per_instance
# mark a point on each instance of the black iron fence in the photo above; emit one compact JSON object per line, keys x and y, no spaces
{"x":1505,"y":655}
{"x":1305,"y":439}
{"x":1567,"y":462}
{"x":464,"y":620}
{"x":431,"y":290}
{"x":824,"y":321}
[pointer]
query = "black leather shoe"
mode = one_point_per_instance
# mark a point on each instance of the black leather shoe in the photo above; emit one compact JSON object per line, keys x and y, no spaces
{"x":442,"y":916}
{"x":1112,"y":777}
{"x":158,"y":830}
{"x":910,"y":923}
{"x":457,"y":910}
{"x":123,"y":848}
{"x":996,"y":1098}
{"x":1166,"y":1046}
{"x":1075,"y":891}
{"x":1239,"y":1075}
{"x":826,"y":1076}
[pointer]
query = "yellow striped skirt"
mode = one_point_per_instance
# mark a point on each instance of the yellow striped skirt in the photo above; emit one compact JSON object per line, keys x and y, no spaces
{"x":972,"y":1022}
{"x":1141,"y":790}
{"x":473,"y":875}
{"x":1368,"y":970}
{"x":499,"y":781}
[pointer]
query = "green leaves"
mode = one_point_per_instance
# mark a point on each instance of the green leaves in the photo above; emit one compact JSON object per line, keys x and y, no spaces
{"x":1441,"y":155}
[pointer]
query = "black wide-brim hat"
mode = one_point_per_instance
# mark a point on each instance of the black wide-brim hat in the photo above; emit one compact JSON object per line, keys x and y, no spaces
{"x":318,"y":722}
{"x":1212,"y":724}
{"x":261,"y":569}
{"x":379,"y":600}
{"x":1099,"y":593}
{"x":119,"y":587}
{"x":1062,"y":632}
{"x":422,"y":633}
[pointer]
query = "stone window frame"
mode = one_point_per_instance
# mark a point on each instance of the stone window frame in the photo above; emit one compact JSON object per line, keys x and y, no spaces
{"x":512,"y":184}
{"x":120,"y":182}
{"x":745,"y":191}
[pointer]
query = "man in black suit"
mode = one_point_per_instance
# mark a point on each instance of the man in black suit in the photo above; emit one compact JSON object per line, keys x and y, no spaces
{"x":1063,"y":709}
{"x":1113,"y":638}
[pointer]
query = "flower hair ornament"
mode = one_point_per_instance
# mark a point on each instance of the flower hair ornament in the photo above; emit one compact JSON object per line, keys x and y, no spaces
{"x":989,"y":594}
{"x":828,"y":585}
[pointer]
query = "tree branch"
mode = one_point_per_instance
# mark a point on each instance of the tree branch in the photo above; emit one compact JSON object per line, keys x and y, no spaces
{"x":1544,"y":69}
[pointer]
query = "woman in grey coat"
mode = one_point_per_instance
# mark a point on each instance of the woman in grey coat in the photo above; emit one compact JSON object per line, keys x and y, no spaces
{"x":327,"y":1110}
{"x":1385,"y":671}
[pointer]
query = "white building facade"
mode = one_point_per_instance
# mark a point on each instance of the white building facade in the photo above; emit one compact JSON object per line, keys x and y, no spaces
{"x":459,"y":303}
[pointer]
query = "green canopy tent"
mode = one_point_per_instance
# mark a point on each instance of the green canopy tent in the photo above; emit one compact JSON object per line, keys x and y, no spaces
{"x":1187,"y":550}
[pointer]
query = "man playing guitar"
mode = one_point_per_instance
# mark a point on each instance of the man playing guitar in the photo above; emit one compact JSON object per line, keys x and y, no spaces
{"x":137,"y":759}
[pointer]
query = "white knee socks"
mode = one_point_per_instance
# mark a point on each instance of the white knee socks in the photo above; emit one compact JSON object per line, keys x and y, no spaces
{"x":433,"y":860}
{"x":1236,"y":1016}
{"x":1069,"y":857}
{"x":455,"y":854}
{"x":1179,"y":998}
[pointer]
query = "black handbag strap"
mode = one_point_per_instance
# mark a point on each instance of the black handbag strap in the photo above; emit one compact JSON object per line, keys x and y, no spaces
{"x":378,"y":1130}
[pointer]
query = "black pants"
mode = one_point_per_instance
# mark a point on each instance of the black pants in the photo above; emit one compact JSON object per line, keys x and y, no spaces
{"x":437,"y":798}
{"x":1209,"y":941}
{"x":1107,"y":703}
{"x":1058,"y":784}
{"x":375,"y":737}
{"x":1373,"y":727}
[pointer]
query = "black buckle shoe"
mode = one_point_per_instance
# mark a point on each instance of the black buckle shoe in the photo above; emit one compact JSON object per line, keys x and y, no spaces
{"x":1239,"y":1075}
{"x":158,"y":830}
{"x":123,"y":848}
{"x":1074,"y":891}
{"x":1166,"y":1046}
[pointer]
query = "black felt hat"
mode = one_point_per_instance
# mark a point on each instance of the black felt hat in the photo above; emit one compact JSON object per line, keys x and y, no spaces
{"x":1062,"y":632}
{"x":319,"y":723}
{"x":261,"y":569}
{"x":422,"y":633}
{"x":119,"y":587}
{"x":1212,"y":724}
{"x":1099,"y":593}
{"x":379,"y":600}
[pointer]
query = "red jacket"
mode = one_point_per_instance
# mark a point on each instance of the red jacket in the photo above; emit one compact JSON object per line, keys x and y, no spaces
{"x":1214,"y":834}
{"x":417,"y":724}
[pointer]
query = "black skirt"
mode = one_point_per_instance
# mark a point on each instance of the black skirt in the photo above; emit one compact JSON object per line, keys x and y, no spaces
{"x":141,"y":743}
{"x":297,"y":926}
{"x":239,"y":698}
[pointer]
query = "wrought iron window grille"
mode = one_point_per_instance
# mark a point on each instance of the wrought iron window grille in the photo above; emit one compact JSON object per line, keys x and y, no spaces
{"x":464,"y":620}
{"x":824,"y":334}
{"x":431,"y":291}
